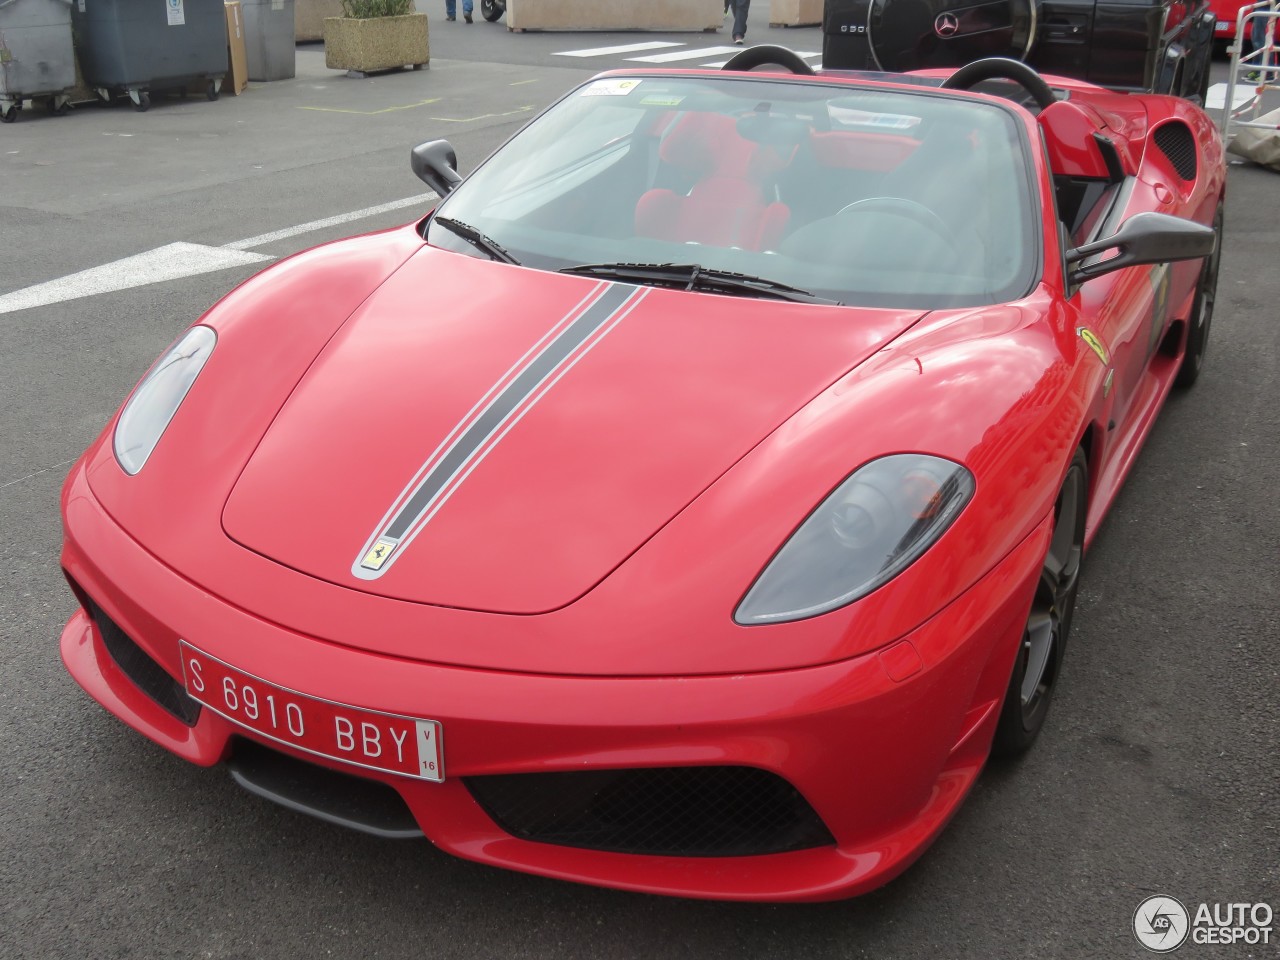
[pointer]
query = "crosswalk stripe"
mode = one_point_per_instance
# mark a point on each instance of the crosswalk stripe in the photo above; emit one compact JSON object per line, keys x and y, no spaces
{"x":683,"y":55}
{"x":626,"y":48}
{"x":799,"y":53}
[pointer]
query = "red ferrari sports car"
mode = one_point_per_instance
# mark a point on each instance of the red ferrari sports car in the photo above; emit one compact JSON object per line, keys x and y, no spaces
{"x":691,"y":502}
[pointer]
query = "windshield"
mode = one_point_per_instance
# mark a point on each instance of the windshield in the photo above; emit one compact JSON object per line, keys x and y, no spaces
{"x":859,"y":195}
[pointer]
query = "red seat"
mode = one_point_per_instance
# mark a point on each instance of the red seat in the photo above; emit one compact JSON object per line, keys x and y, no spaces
{"x":727,"y":205}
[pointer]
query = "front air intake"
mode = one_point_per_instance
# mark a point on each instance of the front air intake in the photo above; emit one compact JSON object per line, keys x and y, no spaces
{"x":134,"y":662}
{"x":665,"y":811}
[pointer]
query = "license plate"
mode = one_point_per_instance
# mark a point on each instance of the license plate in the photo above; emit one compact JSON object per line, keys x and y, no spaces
{"x":389,"y":742}
{"x":1224,"y":25}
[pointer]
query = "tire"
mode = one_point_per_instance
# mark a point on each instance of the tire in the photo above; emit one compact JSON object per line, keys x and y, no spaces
{"x":10,"y":116}
{"x":1201,"y":313}
{"x":493,"y":10}
{"x":143,"y":103}
{"x":211,"y":91}
{"x":1038,"y":665}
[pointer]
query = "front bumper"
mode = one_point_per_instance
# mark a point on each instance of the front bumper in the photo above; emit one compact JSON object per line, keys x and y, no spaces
{"x":883,"y":746}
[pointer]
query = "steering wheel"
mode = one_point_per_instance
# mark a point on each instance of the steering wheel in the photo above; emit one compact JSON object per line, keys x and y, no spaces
{"x":768,"y":53}
{"x":917,"y":213}
{"x":1003,"y":68}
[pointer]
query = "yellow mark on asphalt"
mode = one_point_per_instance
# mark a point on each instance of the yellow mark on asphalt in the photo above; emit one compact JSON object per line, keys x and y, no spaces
{"x":370,"y":113}
{"x":483,"y":116}
{"x":522,"y":82}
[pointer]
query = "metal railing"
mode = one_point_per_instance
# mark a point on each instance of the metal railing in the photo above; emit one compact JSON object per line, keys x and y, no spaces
{"x":1258,"y":70}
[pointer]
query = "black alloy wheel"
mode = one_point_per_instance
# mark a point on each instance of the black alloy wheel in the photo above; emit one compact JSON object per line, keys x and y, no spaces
{"x":1201,"y":312}
{"x":492,"y":10}
{"x":1044,"y":639}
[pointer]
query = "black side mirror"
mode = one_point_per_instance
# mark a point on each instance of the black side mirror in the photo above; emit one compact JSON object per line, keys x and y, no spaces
{"x":1143,"y":238}
{"x":436,"y":165}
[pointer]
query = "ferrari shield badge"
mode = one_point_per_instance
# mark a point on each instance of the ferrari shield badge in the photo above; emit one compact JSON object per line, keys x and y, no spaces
{"x":1091,"y":339}
{"x":378,"y":553}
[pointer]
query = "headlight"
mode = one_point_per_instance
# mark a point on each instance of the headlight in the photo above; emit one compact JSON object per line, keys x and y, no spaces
{"x":158,"y":397}
{"x":874,"y":526}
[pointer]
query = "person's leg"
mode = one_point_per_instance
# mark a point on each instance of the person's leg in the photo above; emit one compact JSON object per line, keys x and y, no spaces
{"x":466,"y":10}
{"x":450,"y":10}
{"x":740,"y":8}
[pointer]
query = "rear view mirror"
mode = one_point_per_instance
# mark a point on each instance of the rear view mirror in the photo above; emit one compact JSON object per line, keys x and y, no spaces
{"x":436,"y":165}
{"x":1143,"y":238}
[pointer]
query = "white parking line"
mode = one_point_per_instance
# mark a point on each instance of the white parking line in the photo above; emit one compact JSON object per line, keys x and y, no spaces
{"x":626,"y":48}
{"x":264,"y":238}
{"x":174,"y":261}
{"x":170,"y":262}
{"x":686,"y":54}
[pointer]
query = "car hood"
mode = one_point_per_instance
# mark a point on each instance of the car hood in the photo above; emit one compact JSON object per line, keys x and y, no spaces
{"x":497,"y":438}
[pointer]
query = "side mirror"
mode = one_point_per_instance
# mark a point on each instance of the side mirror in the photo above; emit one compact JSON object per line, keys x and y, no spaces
{"x":436,"y":165}
{"x":1143,"y":238}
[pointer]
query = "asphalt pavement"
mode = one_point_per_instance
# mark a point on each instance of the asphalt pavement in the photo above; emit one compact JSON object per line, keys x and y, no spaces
{"x":1157,"y":772}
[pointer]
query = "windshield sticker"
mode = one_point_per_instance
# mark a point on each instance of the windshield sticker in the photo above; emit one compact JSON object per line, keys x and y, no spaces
{"x":661,"y":101}
{"x":885,"y":121}
{"x":1091,"y":340}
{"x":610,"y":88}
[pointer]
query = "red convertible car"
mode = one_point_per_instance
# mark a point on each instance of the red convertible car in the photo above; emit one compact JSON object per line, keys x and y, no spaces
{"x":691,"y":503}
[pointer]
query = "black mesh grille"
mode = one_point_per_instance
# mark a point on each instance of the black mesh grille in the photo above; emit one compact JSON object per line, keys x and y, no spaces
{"x":1178,"y":144}
{"x":678,"y":811}
{"x":151,"y":678}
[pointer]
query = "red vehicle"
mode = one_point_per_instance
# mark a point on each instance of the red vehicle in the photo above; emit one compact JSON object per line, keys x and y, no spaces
{"x":691,"y":503}
{"x":1224,"y":15}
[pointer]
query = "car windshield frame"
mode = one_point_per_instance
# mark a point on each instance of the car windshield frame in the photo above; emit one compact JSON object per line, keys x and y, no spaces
{"x":565,"y":191}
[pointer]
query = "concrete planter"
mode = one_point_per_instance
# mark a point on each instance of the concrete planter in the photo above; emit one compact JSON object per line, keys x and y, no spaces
{"x":383,"y":43}
{"x":615,"y":14}
{"x":309,"y":17}
{"x":794,"y":13}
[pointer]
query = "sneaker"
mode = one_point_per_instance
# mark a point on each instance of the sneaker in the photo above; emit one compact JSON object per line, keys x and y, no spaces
{"x":467,"y":17}
{"x":451,"y":19}
{"x":738,"y":41}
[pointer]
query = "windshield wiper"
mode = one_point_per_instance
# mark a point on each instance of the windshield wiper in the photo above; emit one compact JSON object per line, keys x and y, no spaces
{"x":693,"y":276}
{"x":477,"y":239}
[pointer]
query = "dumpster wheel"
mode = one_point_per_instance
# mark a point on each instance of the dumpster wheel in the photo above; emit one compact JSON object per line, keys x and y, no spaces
{"x":141,"y":100}
{"x":211,"y":91}
{"x":11,"y":114}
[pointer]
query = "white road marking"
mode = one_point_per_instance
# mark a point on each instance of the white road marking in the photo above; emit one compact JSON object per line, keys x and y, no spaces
{"x":674,"y":55}
{"x":264,"y":238}
{"x":799,"y":53}
{"x":625,"y":48}
{"x":170,"y":262}
{"x":177,"y":260}
{"x":1217,"y":96}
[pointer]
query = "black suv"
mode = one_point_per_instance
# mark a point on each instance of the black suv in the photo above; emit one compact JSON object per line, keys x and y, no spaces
{"x":1161,"y":46}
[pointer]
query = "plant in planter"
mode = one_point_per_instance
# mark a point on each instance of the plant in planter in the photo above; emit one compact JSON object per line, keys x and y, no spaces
{"x":374,"y":35}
